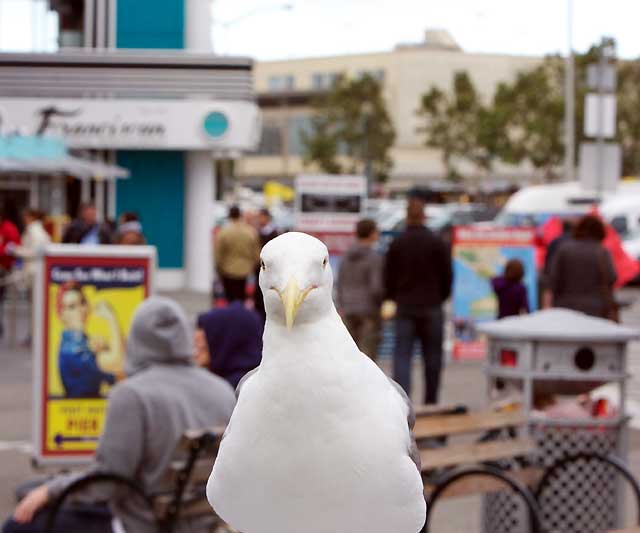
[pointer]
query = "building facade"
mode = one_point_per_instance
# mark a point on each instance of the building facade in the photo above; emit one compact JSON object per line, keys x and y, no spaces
{"x":144,"y":92}
{"x":286,"y":88}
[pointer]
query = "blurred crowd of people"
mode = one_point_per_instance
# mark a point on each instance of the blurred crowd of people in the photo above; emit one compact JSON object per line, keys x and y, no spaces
{"x":23,"y":237}
{"x":196,"y":368}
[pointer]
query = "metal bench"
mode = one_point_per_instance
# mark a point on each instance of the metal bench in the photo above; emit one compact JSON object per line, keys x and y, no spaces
{"x":186,"y":476}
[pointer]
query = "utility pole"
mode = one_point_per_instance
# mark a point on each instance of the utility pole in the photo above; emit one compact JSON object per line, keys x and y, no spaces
{"x":569,"y":99}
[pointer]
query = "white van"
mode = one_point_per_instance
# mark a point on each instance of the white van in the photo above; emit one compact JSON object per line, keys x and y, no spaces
{"x":623,"y":213}
{"x":532,"y":206}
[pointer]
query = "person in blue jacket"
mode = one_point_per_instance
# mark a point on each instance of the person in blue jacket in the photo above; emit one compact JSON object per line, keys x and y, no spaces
{"x":228,"y":341}
{"x":81,"y":375}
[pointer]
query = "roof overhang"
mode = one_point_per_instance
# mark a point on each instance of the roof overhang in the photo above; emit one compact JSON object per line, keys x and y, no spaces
{"x":125,"y":74}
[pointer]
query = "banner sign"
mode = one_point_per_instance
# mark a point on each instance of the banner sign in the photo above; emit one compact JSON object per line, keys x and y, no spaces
{"x":85,"y":300}
{"x":146,"y":124}
{"x":480,"y":254}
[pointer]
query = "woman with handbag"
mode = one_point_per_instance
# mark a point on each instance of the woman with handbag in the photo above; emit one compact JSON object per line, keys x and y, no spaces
{"x":581,"y":273}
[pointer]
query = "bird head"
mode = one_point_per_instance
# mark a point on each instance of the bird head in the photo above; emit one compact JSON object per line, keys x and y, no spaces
{"x":296,"y":279}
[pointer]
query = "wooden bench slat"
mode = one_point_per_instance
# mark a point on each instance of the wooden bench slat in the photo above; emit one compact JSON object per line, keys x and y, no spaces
{"x":478,"y":484}
{"x":195,"y":434}
{"x":430,"y":410}
{"x":460,"y":454}
{"x":438,"y":425}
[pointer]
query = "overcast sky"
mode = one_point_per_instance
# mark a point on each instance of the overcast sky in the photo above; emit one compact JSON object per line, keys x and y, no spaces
{"x":264,"y":29}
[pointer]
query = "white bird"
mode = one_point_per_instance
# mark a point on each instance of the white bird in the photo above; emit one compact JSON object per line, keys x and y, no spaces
{"x":320,"y":438}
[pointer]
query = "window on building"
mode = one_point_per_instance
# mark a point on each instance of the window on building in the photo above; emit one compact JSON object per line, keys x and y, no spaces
{"x":376,"y":74}
{"x":297,"y":126}
{"x":281,"y":82}
{"x":321,"y":81}
{"x":271,"y":141}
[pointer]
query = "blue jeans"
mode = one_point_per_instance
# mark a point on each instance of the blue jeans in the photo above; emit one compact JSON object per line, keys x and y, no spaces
{"x":428,"y":327}
{"x":85,"y":519}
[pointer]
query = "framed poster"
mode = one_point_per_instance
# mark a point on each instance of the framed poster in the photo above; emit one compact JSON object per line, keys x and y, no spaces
{"x":85,"y":297}
{"x":479,"y":254}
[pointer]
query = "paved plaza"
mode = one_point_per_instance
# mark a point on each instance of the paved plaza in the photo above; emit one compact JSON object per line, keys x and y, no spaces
{"x":463,"y":383}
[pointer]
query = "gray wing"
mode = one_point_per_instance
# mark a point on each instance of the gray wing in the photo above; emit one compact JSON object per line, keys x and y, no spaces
{"x":411,"y":422}
{"x":245,"y":378}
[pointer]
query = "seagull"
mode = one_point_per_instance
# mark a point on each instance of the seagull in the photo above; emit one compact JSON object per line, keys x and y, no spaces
{"x":320,"y":440}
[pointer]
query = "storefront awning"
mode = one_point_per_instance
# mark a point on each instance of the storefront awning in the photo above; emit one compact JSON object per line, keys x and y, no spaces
{"x":47,"y":155}
{"x":69,"y":165}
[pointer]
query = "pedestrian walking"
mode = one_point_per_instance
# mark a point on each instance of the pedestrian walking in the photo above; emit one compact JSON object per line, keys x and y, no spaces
{"x":34,"y":240}
{"x":9,"y":238}
{"x":130,"y":230}
{"x":418,"y":277}
{"x":581,"y":274}
{"x":236,"y":253}
{"x":511,"y":293}
{"x":360,"y":288}
{"x":266,"y":232}
{"x":86,"y":229}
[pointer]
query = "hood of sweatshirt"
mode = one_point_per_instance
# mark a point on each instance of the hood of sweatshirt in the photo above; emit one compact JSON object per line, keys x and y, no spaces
{"x":159,"y":334}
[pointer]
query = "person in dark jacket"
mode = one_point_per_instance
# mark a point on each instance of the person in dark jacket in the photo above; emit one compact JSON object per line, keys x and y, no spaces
{"x":510,"y":291}
{"x":360,"y":289}
{"x":228,"y":341}
{"x":86,"y":229}
{"x":581,"y":274}
{"x":418,"y":277}
{"x":266,"y":232}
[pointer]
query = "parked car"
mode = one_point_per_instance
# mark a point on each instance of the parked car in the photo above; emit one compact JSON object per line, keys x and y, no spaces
{"x":442,"y":218}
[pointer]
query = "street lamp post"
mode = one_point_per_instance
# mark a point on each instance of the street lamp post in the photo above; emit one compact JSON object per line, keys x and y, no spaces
{"x":366,"y":149}
{"x":569,"y":99}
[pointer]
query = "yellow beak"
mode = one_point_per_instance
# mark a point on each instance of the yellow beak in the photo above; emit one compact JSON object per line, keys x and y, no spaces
{"x":292,"y":298}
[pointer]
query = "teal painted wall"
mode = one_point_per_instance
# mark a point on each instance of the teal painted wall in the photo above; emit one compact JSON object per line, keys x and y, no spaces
{"x":155,"y":191}
{"x":150,"y":24}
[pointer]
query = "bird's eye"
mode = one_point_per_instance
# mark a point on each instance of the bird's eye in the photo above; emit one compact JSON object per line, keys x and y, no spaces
{"x":325,"y":262}
{"x":263,"y":266}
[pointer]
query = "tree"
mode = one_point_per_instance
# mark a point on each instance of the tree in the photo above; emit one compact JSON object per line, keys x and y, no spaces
{"x":351,"y":120}
{"x":629,"y":116}
{"x":531,"y":111}
{"x":458,"y":124}
{"x":525,"y":119}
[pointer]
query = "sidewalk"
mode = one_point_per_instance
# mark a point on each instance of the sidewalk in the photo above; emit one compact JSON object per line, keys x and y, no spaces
{"x":462,"y":383}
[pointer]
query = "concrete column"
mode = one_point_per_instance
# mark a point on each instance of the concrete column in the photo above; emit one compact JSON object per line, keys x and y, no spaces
{"x":111,"y":199}
{"x":99,"y":200}
{"x":58,"y":199}
{"x":197,"y":25}
{"x":199,"y":170}
{"x":34,"y":192}
{"x":198,"y":219}
{"x":85,"y":190}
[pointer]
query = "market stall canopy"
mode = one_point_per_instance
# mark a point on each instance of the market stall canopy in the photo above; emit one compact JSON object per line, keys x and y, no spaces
{"x":46,"y":155}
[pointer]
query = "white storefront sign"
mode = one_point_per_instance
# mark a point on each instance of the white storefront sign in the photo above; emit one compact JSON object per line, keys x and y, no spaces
{"x":136,"y":124}
{"x":326,"y":203}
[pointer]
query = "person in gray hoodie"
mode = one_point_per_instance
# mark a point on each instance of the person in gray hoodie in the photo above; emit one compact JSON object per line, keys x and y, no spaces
{"x":163,"y":396}
{"x":360,"y":288}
